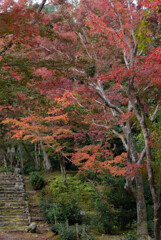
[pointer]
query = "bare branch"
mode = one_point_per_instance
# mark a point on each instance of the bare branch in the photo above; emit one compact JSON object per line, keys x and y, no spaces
{"x":122,"y":139}
{"x":41,"y":6}
{"x":100,"y":91}
{"x":81,"y":38}
{"x":6,"y":47}
{"x":142,"y":155}
{"x":100,"y":125}
{"x":155,"y":112}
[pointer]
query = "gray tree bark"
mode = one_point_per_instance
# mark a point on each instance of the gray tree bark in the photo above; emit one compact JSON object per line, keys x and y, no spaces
{"x":46,"y":161}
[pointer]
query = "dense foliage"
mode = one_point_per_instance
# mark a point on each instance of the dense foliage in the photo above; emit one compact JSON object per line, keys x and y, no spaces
{"x":80,"y":85}
{"x":36,"y":180}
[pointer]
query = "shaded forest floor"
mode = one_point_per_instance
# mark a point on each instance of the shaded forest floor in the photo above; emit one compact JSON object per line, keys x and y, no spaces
{"x":47,"y":236}
{"x":28,"y":236}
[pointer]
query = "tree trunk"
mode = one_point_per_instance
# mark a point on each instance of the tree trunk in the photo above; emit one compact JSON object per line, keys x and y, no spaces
{"x":28,"y":153}
{"x":21,"y":156}
{"x":46,"y":162}
{"x":142,"y":227}
{"x":157,"y":221}
{"x":37,"y":163}
{"x":11,"y":153}
{"x":132,"y":155}
{"x":156,"y":196}
{"x":63,"y":170}
{"x":5,"y":162}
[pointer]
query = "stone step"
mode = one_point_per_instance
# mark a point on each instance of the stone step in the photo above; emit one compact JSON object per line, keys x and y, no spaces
{"x":13,"y":211}
{"x":13,"y":178}
{"x":9,"y":229}
{"x":12,"y":200}
{"x":15,"y":214}
{"x":12,"y":196}
{"x":12,"y":204}
{"x":2,"y":192}
{"x":13,"y":208}
{"x":13,"y":218}
{"x":35,"y":211}
{"x":9,"y":183}
{"x":31,"y":192}
{"x":16,"y":187}
{"x":22,"y":215}
{"x":35,"y":219}
{"x":34,"y":205}
{"x":13,"y":224}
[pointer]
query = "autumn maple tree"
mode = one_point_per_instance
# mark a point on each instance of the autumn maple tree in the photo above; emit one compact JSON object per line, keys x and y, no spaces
{"x":102,"y":59}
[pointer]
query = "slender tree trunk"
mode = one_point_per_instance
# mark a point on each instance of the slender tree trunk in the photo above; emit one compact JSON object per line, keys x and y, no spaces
{"x":11,"y":153}
{"x":21,"y":155}
{"x":63,"y":170}
{"x":5,"y":161}
{"x":37,"y":163}
{"x":28,"y":153}
{"x":46,"y":162}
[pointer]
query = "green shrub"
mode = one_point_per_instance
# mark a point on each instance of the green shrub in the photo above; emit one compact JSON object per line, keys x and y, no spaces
{"x":75,"y":189}
{"x":63,"y":211}
{"x":66,"y":234}
{"x":28,"y":168}
{"x":43,"y":193}
{"x":151,"y":228}
{"x":105,"y":218}
{"x":123,"y":203}
{"x":132,"y":235}
{"x":36,"y":180}
{"x":70,"y":233}
{"x":70,"y":211}
{"x":46,"y":209}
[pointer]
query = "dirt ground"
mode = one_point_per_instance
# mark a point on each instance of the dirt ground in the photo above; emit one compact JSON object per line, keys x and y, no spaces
{"x":28,"y":236}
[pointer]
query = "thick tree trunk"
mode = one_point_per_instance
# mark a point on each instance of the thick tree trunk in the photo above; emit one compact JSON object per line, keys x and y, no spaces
{"x":46,"y":162}
{"x":142,"y":227}
{"x":156,"y":196}
{"x":132,"y":154}
{"x":157,"y":221}
{"x":63,"y":170}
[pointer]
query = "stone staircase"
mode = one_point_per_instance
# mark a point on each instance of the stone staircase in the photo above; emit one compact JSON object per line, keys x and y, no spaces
{"x":14,"y":211}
